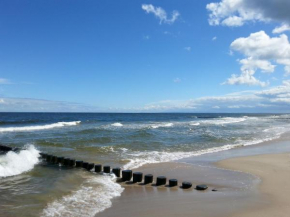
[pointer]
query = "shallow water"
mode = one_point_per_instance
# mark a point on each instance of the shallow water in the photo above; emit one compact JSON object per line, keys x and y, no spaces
{"x":31,"y":188}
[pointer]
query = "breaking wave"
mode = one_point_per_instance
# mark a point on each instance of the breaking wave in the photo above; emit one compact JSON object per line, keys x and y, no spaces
{"x":117,"y":125}
{"x":226,"y":120}
{"x":138,"y":159}
{"x":13,"y":163}
{"x":94,"y":196}
{"x":41,"y":127}
{"x":155,"y":126}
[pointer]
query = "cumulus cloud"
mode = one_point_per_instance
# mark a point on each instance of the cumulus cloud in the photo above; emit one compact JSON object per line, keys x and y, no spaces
{"x":260,"y":51}
{"x":246,"y":77}
{"x":161,"y":14}
{"x":239,"y":12}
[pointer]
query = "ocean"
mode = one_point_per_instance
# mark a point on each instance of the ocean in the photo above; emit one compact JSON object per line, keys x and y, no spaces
{"x":31,"y":187}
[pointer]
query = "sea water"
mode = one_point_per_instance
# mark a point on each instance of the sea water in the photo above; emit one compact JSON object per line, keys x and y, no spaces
{"x":30,"y":187}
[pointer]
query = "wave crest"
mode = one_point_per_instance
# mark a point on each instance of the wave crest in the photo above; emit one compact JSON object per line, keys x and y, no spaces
{"x":94,"y":196}
{"x":117,"y":125}
{"x":139,"y":159}
{"x":155,"y":126}
{"x":13,"y":163}
{"x":39,"y":127}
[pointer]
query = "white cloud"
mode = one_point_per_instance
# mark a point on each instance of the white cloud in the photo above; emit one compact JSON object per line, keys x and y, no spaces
{"x":176,"y":80}
{"x":160,"y":13}
{"x":231,"y":13}
{"x":282,"y":28}
{"x":254,"y":64}
{"x":246,"y":77}
{"x":4,"y":81}
{"x":214,"y":38}
{"x":260,"y":51}
{"x":274,"y":99}
{"x":239,"y":12}
{"x":187,"y":48}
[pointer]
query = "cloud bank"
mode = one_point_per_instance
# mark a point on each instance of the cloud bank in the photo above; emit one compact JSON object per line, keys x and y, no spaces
{"x":39,"y":105}
{"x":275,"y":99}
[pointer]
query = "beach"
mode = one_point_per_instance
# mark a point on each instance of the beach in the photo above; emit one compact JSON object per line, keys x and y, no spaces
{"x":274,"y":171}
{"x":255,"y":185}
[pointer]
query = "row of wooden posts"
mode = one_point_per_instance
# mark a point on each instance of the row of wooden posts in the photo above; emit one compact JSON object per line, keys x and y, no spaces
{"x":126,"y":174}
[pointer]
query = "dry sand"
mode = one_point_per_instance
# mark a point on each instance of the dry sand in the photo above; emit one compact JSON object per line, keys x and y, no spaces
{"x":274,"y":170}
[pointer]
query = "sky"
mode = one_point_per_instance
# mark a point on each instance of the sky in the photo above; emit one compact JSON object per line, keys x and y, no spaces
{"x":145,"y":56}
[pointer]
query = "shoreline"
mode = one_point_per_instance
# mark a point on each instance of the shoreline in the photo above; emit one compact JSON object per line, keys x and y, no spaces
{"x":237,"y":189}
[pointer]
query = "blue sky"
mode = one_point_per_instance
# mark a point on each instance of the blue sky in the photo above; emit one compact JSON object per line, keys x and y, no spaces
{"x":145,"y":56}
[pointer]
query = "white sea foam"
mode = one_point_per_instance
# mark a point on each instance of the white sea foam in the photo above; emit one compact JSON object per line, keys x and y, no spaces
{"x":94,"y":196}
{"x":117,"y":125}
{"x":195,"y":124}
{"x":226,"y":120}
{"x":155,"y":126}
{"x":13,"y":163}
{"x":272,"y":133}
{"x":138,"y":159}
{"x":39,"y":127}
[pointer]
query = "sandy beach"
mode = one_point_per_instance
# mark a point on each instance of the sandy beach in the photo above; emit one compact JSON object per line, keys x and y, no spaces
{"x":246,"y":186}
{"x":274,"y":170}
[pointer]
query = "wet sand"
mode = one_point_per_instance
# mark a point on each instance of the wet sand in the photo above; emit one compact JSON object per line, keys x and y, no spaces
{"x":251,"y":183}
{"x":233,"y":192}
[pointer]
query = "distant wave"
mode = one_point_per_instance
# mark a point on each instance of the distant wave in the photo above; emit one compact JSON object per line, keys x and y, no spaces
{"x":226,"y":120}
{"x":94,"y":196}
{"x":155,"y":126}
{"x":39,"y":127}
{"x":117,"y":125}
{"x":195,"y":124}
{"x":13,"y":163}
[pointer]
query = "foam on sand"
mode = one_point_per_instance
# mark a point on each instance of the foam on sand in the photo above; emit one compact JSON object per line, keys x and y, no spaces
{"x":39,"y":127}
{"x":13,"y":163}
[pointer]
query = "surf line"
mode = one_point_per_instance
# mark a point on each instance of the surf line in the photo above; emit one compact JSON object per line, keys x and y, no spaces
{"x":122,"y":175}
